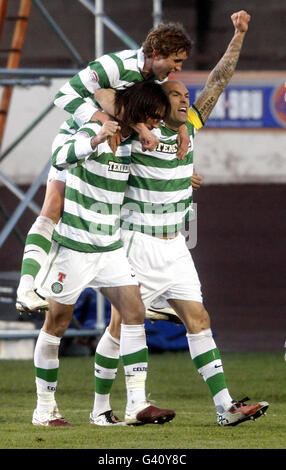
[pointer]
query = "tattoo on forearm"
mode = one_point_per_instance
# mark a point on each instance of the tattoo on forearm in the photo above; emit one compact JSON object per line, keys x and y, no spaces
{"x":219,"y":78}
{"x":224,"y":70}
{"x":207,"y":105}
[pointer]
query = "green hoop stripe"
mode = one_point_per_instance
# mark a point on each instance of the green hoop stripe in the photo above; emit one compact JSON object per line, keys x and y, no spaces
{"x":126,"y":75}
{"x":206,"y":358}
{"x":103,"y":78}
{"x":97,"y":181}
{"x":30,"y":266}
{"x":79,"y":88}
{"x":91,"y":203}
{"x":103,"y":386}
{"x":148,"y":229}
{"x":89,"y":226}
{"x":49,"y":375}
{"x":216,"y":383}
{"x":151,"y":161}
{"x":135,"y":358}
{"x":106,"y":362}
{"x":42,"y":242}
{"x":73,"y":105}
{"x":156,"y":208}
{"x":85,"y":247}
{"x":71,"y":122}
{"x":159,"y":185}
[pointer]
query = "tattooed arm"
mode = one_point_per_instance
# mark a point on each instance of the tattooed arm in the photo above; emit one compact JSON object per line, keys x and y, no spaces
{"x":224,"y":70}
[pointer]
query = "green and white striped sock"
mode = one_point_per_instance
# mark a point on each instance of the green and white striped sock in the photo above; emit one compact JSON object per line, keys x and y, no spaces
{"x":37,"y":247}
{"x":207,"y":360}
{"x":134,"y":352}
{"x":105,"y":369}
{"x":46,"y":363}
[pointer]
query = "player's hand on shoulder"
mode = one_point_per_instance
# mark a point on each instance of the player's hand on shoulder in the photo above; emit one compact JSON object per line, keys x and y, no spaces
{"x":148,"y":140}
{"x":183,"y":142}
{"x":114,"y":141}
{"x":107,"y":130}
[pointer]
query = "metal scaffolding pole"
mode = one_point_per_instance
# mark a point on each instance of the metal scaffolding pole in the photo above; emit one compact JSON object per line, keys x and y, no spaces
{"x":23,"y":205}
{"x":99,"y":28}
{"x":157,"y":12}
{"x":19,"y":193}
{"x":97,"y":10}
{"x":39,"y":73}
{"x":99,"y":48}
{"x":59,"y":32}
{"x":96,"y":7}
{"x":26,"y":131}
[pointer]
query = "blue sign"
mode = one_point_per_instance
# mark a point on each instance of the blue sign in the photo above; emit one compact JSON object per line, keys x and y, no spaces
{"x":247,"y":107}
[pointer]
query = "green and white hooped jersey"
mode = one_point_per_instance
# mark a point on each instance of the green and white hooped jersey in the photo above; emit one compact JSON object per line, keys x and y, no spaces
{"x":158,"y":197}
{"x":95,"y":187}
{"x":116,"y":70}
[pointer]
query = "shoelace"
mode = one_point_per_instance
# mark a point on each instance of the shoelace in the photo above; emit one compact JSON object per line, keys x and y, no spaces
{"x":241,"y":402}
{"x":148,"y":399}
{"x":109,"y":415}
{"x":55,"y":414}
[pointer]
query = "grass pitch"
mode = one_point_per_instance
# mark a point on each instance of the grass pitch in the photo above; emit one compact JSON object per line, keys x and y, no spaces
{"x":173,"y":383}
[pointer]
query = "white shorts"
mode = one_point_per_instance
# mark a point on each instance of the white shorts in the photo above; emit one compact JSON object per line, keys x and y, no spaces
{"x":164,"y":268}
{"x":67,"y":273}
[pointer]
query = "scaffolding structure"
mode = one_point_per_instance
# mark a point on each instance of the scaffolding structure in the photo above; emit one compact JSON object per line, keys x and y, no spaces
{"x":12,"y":76}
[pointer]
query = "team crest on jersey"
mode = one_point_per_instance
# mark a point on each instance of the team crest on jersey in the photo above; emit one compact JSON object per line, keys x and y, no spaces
{"x":118,"y":167}
{"x":93,"y":76}
{"x":57,"y":287}
{"x":84,"y":133}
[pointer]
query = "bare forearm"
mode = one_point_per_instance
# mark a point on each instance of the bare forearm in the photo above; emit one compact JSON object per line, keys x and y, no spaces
{"x":100,"y":116}
{"x":106,"y":98}
{"x":219,"y":77}
{"x":224,"y":70}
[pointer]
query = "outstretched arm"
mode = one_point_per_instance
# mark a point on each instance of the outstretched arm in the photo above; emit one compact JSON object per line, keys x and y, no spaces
{"x":224,"y":70}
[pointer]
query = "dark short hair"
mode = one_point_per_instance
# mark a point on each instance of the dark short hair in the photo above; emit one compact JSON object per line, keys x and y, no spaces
{"x":167,"y":39}
{"x":141,"y":101}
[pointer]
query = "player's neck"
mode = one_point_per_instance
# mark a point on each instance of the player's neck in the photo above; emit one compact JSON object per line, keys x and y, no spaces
{"x":147,"y":71}
{"x":172,"y":125}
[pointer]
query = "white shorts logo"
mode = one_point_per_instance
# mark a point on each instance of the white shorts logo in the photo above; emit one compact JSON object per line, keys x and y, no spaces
{"x":57,"y":287}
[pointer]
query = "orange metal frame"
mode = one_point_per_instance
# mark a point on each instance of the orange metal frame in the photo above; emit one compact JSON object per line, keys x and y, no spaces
{"x":14,"y":52}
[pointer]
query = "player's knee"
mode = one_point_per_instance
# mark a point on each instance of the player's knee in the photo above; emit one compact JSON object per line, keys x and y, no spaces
{"x":56,"y":325}
{"x":115,"y":322}
{"x":197,"y":319}
{"x":203,"y":318}
{"x":134,"y":313}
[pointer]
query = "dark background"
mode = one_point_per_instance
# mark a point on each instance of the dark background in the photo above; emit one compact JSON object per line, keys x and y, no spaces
{"x":207,"y":22}
{"x":240,"y":254}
